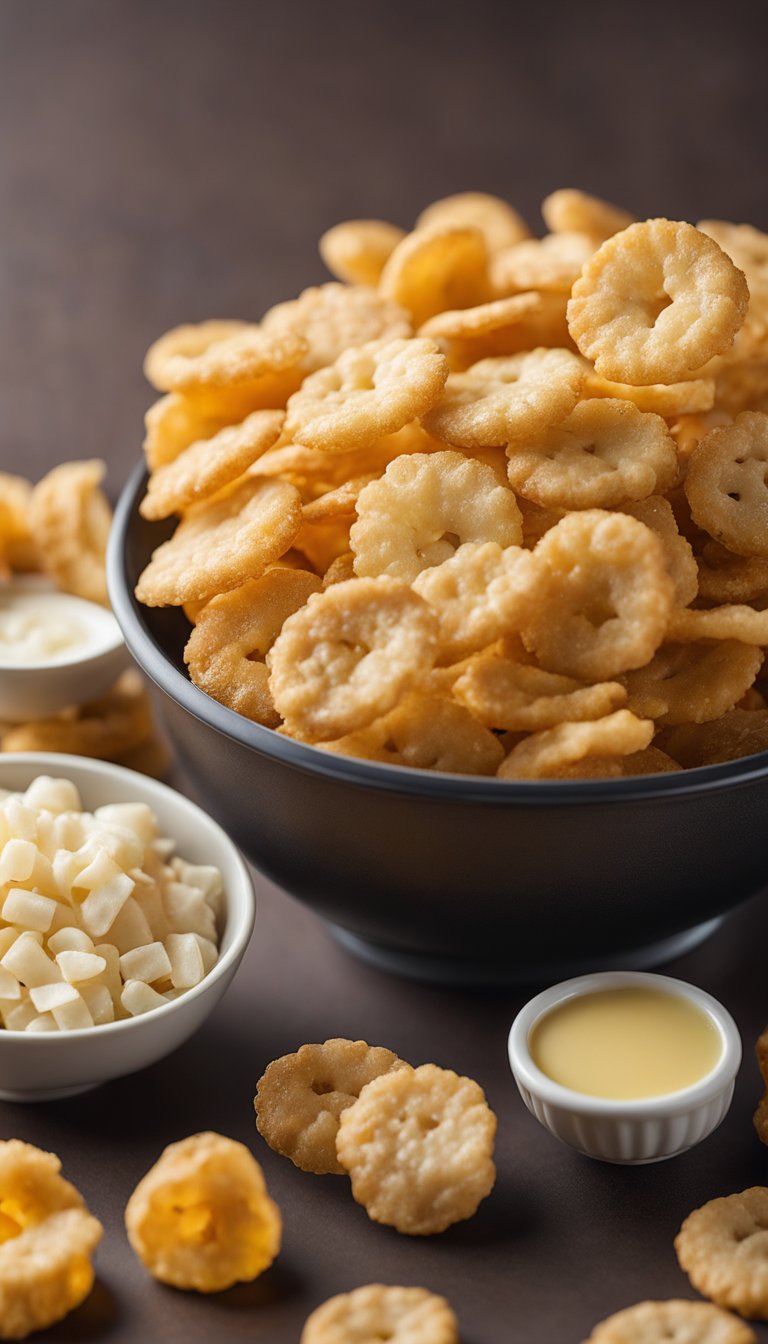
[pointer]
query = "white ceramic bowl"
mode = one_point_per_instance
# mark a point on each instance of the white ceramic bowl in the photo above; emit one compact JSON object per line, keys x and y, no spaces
{"x":57,"y":1064}
{"x":629,"y":1132}
{"x":37,"y":689}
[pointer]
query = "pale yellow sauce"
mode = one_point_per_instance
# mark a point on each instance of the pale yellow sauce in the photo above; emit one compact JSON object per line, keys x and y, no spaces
{"x":626,"y":1044}
{"x":38,"y":627}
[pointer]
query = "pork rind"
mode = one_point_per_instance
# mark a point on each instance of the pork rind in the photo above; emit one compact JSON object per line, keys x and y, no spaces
{"x":572,"y":211}
{"x":504,"y":693}
{"x":558,"y":752}
{"x":655,"y":302}
{"x":499,"y":400}
{"x":426,"y":731}
{"x":201,"y":1218}
{"x":222,"y":543}
{"x":693,"y":682}
{"x":333,"y":318}
{"x":349,"y":655}
{"x":300,"y":1098}
{"x":376,"y":1312}
{"x":479,"y":594}
{"x":605,"y":454}
{"x":369,"y":392}
{"x":500,"y":225}
{"x":70,"y":518}
{"x":723,"y":1246}
{"x":437,"y":268}
{"x":227,"y":649}
{"x":47,"y":1238}
{"x":220,"y":355}
{"x":418,"y":1146}
{"x":356,"y":250}
{"x":210,"y":464}
{"x":726,"y":484}
{"x":605,"y":598}
{"x":760,"y":1117}
{"x":677,"y":1321}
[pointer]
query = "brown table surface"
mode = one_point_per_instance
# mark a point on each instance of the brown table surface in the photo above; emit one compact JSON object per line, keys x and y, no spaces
{"x":162,"y":162}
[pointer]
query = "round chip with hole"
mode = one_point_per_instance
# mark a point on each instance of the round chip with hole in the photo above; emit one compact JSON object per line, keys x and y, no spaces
{"x":727,"y":484}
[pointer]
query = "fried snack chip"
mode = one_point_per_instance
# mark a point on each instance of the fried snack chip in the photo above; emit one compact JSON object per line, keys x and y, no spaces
{"x":222,"y":543}
{"x":209,"y":465}
{"x":725,"y":577}
{"x":220,"y":355}
{"x":726,"y":486}
{"x":201,"y":1218}
{"x":47,"y":1237}
{"x":17,"y":546}
{"x":690,"y":398}
{"x":466,"y":324}
{"x":605,"y":597}
{"x":550,"y":263}
{"x":427,"y":732}
{"x":186,"y":342}
{"x":479,"y":594}
{"x":728,"y":622}
{"x":500,"y":225}
{"x":340,"y":569}
{"x":105,"y":728}
{"x":504,"y":693}
{"x":69,"y":518}
{"x":722,"y":1248}
{"x":418,"y":1147}
{"x":437,"y":268}
{"x":572,"y":211}
{"x":369,"y":392}
{"x":357,"y":250}
{"x":605,"y":454}
{"x":348,"y":656}
{"x":375,"y":1312}
{"x":426,"y":506}
{"x":300,"y":1098}
{"x":333,"y":318}
{"x":174,"y":422}
{"x":740,"y":732}
{"x":323,"y":542}
{"x":657,"y":514}
{"x":677,"y":1321}
{"x":655,"y":302}
{"x":227,"y":649}
{"x":693,"y":682}
{"x":499,"y":400}
{"x":760,"y":1117}
{"x":650,"y":761}
{"x":545,"y":755}
{"x":338,"y":503}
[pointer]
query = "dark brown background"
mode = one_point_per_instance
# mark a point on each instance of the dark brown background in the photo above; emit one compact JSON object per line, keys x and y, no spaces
{"x":169,"y":161}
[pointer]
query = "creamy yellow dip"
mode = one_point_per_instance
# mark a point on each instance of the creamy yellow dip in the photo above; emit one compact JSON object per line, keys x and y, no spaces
{"x":38,"y":627}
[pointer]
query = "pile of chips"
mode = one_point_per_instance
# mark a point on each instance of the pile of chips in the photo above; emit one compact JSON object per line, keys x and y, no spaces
{"x":488,"y":503}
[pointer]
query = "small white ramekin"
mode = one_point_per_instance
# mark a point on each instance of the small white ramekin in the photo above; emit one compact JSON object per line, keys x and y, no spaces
{"x":630,"y":1132}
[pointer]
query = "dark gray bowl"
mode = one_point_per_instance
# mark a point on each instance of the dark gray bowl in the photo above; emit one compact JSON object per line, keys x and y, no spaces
{"x":453,"y":877}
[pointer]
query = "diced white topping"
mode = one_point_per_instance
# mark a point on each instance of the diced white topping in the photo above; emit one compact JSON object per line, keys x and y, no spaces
{"x":77,"y":966}
{"x":17,"y":860}
{"x":28,"y":909}
{"x":146,"y":963}
{"x":137,"y":997}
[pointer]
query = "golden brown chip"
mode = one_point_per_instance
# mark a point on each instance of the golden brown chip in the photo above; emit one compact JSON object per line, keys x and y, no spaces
{"x":694,"y":682}
{"x":729,"y":622}
{"x":686,"y":399}
{"x":300,"y":1098}
{"x":426,"y":732}
{"x":740,"y":732}
{"x":760,"y":1117}
{"x":208,"y":465}
{"x":105,"y":728}
{"x":437,"y":268}
{"x":465,"y":324}
{"x":222,"y":543}
{"x":70,"y":518}
{"x":499,"y":223}
{"x":376,"y":1312}
{"x":356,"y":250}
{"x":550,"y":263}
{"x":418,"y":1146}
{"x":17,"y":546}
{"x":723,"y":1248}
{"x":572,"y":211}
{"x":220,"y":354}
{"x":655,"y":302}
{"x":479,"y":594}
{"x":504,"y":693}
{"x":726,"y":484}
{"x":499,"y":400}
{"x":333,"y":318}
{"x":546,"y":755}
{"x":675,"y":1321}
{"x":649,"y":761}
{"x":725,"y":577}
{"x":657,"y":514}
{"x":338,"y":503}
{"x":201,"y":1218}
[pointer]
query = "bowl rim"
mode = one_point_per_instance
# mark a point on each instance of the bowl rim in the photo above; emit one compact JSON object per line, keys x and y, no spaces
{"x":528,"y":1075}
{"x":378,"y":775}
{"x":48,"y":762}
{"x":111,"y":643}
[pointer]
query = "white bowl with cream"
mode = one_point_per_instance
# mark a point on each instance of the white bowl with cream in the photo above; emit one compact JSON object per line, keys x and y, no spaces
{"x":625,"y":1066}
{"x":56,"y":650}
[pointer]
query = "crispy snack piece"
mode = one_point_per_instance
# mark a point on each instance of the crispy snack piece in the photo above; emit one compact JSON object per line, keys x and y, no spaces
{"x":333,"y":318}
{"x":729,"y":622}
{"x":348,"y":656}
{"x":70,"y":519}
{"x":689,"y":398}
{"x":740,"y":732}
{"x":424,"y":507}
{"x":418,"y":1146}
{"x":437,"y":268}
{"x":338,"y":503}
{"x":105,"y":728}
{"x":655,"y":302}
{"x":760,"y":1117}
{"x":479,"y":594}
{"x":227,"y":649}
{"x":676,"y":1321}
{"x":370,"y":391}
{"x":174,"y":422}
{"x":499,"y":400}
{"x":550,"y":263}
{"x":605,"y":597}
{"x":208,"y":465}
{"x":504,"y":693}
{"x":222,"y":543}
{"x":220,"y":355}
{"x":340,"y":569}
{"x":300,"y":1098}
{"x":464,"y":324}
{"x":606,"y":453}
{"x":375,"y":1312}
{"x":427,"y":732}
{"x":726,"y":484}
{"x":693,"y":682}
{"x":723,"y":1248}
{"x":725,"y":577}
{"x":657,"y":514}
{"x":47,"y":1237}
{"x":572,"y":211}
{"x":187,"y":342}
{"x":17,"y":546}
{"x":649,"y":761}
{"x":356,"y":250}
{"x":499,"y":223}
{"x":201,"y":1218}
{"x":546,"y":755}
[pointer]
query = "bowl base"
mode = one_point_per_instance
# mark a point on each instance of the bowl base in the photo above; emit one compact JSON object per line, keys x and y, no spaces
{"x":45,"y":1093}
{"x":438,"y":970}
